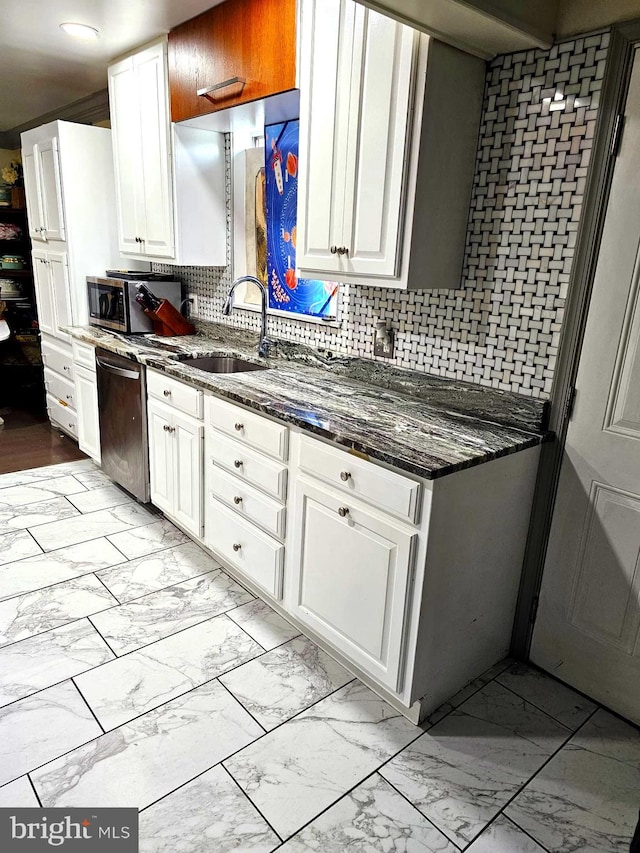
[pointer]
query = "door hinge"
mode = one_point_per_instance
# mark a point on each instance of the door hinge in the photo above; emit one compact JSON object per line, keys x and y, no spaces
{"x":534,"y":609}
{"x":570,"y":404}
{"x":618,"y":131}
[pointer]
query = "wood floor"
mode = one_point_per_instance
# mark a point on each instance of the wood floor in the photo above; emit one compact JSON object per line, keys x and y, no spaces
{"x":28,"y":441}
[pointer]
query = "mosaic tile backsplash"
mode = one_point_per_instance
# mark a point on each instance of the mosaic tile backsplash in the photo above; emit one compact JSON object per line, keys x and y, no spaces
{"x":502,"y":327}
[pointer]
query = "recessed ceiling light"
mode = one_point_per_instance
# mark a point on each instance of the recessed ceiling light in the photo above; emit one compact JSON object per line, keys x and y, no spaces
{"x":80,"y":31}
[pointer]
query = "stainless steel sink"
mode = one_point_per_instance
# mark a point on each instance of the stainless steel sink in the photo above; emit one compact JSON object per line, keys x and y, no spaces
{"x":222,"y":364}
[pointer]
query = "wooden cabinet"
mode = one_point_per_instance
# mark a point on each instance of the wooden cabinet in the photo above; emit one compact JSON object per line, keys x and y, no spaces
{"x":237,"y":52}
{"x":170,"y":181}
{"x":388,"y":129}
{"x":86,"y":399}
{"x":176,"y":463}
{"x":41,"y":164}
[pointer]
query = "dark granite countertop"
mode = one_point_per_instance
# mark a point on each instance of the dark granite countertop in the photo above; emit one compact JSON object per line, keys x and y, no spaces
{"x":420,"y":423}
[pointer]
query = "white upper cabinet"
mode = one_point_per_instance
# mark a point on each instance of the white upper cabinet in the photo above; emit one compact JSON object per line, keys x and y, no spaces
{"x":170,"y":181}
{"x":388,"y":130}
{"x":44,"y":192}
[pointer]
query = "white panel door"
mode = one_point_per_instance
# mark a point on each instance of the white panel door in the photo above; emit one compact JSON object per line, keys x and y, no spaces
{"x":58,"y":265}
{"x":44,"y":292}
{"x":380,"y":114}
{"x":48,"y":164}
{"x":354,"y":579}
{"x":188,"y":451}
{"x":588,"y":625}
{"x":161,"y":455}
{"x":327,"y":46}
{"x":153,"y":107}
{"x":86,"y":400}
{"x":127,"y":148}
{"x":34,"y":213}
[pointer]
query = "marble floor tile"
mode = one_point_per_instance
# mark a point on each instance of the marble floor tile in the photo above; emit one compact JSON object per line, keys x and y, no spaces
{"x":93,"y":478}
{"x":144,"y":760}
{"x":18,"y":794}
{"x":587,"y":797}
{"x":48,"y":472}
{"x":265,"y":625}
{"x":31,"y":515}
{"x":373,"y":817}
{"x":556,"y":699}
{"x":465,"y":769}
{"x":131,"y":685}
{"x":295,"y":771}
{"x":467,"y":691}
{"x":503,"y":836}
{"x":276,"y":686}
{"x":35,"y":612}
{"x":39,"y":728}
{"x":44,"y":660}
{"x":229,"y":823}
{"x":17,"y":545}
{"x":161,"y":613}
{"x":33,"y":573}
{"x":156,"y":571}
{"x":41,"y":490}
{"x":147,"y":540}
{"x":71,"y":531}
{"x":102,"y":498}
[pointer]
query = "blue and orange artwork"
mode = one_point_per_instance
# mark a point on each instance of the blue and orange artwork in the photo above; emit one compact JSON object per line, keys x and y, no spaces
{"x":286,"y":291}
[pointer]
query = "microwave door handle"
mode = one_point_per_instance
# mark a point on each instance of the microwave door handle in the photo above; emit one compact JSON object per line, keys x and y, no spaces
{"x":118,"y":371}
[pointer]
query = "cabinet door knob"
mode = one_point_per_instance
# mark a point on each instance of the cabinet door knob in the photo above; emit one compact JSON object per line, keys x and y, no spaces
{"x":69,"y":397}
{"x":334,"y":250}
{"x":342,"y":511}
{"x":65,"y":367}
{"x":343,"y":250}
{"x":238,"y":463}
{"x":237,"y":500}
{"x":167,"y":393}
{"x":344,"y":476}
{"x":236,"y":546}
{"x":239,"y":427}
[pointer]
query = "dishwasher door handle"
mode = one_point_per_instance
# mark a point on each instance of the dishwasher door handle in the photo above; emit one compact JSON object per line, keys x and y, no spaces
{"x":119,"y":371}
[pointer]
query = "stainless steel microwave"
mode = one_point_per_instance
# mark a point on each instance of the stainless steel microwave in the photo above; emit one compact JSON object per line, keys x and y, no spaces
{"x":112,"y":302}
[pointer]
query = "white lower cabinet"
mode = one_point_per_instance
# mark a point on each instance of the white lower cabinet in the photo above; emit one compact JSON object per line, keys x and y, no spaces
{"x":86,"y":399}
{"x":59,"y":380}
{"x":175,"y":464}
{"x":353,"y":570}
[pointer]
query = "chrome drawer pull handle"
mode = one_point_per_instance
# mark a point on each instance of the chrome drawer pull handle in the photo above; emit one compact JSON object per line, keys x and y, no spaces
{"x":239,"y":427}
{"x":343,"y":511}
{"x":237,"y":500}
{"x":167,"y":393}
{"x":236,"y":547}
{"x":238,"y":463}
{"x":344,"y":476}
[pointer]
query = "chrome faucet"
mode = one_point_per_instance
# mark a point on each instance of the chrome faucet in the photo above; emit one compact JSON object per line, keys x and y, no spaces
{"x":263,"y":345}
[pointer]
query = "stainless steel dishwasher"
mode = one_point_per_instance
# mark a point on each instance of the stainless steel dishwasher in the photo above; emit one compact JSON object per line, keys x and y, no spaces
{"x":122,"y":409}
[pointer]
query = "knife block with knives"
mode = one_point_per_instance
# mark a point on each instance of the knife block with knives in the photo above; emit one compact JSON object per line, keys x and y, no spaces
{"x":167,"y":320}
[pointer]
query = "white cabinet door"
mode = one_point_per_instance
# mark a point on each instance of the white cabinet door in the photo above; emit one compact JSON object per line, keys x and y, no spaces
{"x":353,"y":585}
{"x":86,"y":400}
{"x":48,"y":165}
{"x":161,"y":449}
{"x":188,"y":440}
{"x":127,"y":152}
{"x":355,"y":114}
{"x":58,"y":267}
{"x":34,"y":212}
{"x":138,"y":97}
{"x":44,"y":292}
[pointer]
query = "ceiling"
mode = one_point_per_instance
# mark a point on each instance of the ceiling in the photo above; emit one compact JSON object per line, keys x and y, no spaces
{"x":43,"y":69}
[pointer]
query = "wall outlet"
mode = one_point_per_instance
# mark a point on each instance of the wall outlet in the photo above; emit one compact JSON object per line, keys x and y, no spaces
{"x":383,"y":342}
{"x":193,"y":304}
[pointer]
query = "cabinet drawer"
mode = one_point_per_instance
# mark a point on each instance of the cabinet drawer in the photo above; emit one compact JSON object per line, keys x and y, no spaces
{"x":247,"y":427}
{"x":255,"y":554}
{"x":58,"y":359}
{"x":377,"y":486}
{"x":60,"y":388}
{"x":246,"y":501}
{"x":184,"y":397}
{"x":247,"y":464}
{"x":84,"y":355}
{"x":62,"y":415}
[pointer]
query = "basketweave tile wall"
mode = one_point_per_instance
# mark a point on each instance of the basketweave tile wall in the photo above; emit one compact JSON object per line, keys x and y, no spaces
{"x":502,"y":328}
